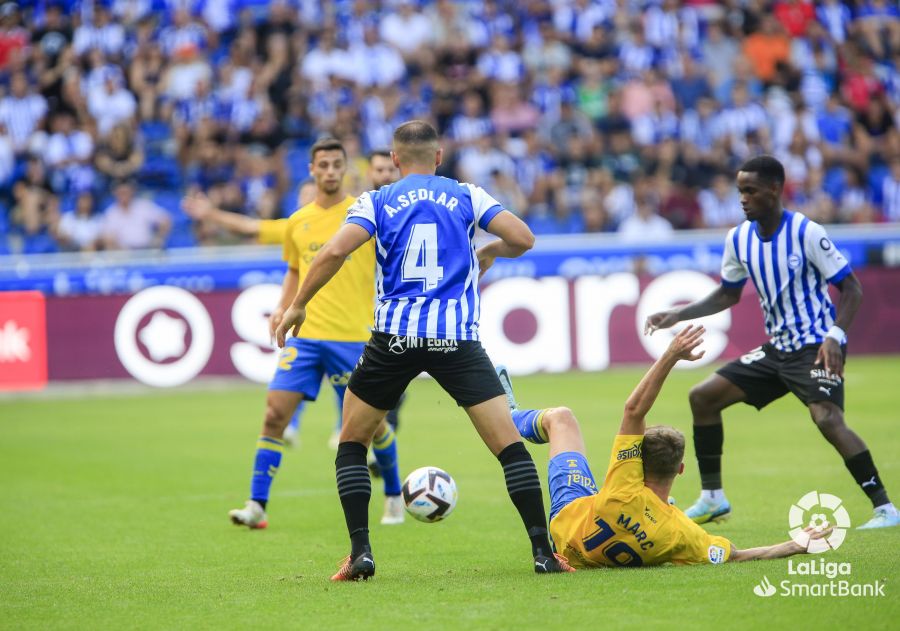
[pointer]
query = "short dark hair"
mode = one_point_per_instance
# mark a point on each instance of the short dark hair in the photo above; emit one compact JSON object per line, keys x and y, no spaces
{"x":380,"y":153}
{"x":767,"y":168}
{"x":415,"y":142}
{"x":415,"y":132}
{"x":326,"y":144}
{"x":662,"y":452}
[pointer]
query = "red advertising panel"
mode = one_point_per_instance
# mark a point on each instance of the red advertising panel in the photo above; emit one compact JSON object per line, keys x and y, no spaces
{"x":23,"y":341}
{"x":165,"y":336}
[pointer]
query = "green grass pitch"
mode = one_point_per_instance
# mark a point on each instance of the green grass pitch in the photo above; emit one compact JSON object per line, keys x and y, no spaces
{"x":114,"y":516}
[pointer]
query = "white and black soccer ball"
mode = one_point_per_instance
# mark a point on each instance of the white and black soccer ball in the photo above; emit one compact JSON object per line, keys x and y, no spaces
{"x":429,"y":494}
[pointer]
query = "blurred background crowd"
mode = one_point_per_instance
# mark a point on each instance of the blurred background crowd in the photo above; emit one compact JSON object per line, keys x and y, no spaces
{"x":626,"y":116}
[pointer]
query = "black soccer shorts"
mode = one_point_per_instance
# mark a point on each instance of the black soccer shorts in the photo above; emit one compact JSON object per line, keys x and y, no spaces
{"x":766,"y":374}
{"x":390,"y":362}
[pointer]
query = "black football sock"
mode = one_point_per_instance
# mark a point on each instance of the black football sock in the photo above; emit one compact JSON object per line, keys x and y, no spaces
{"x":354,"y":488}
{"x":864,"y":472}
{"x":708,"y":441}
{"x":524,"y":488}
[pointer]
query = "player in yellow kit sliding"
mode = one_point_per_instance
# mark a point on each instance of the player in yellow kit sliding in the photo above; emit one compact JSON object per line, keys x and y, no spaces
{"x":628,"y":522}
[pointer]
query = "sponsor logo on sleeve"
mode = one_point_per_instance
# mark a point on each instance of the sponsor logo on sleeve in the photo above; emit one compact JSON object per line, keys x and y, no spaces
{"x":716,"y":554}
{"x":628,"y":454}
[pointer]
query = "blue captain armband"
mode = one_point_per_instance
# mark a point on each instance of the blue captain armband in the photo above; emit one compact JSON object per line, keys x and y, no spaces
{"x":488,"y":216}
{"x":362,"y":222}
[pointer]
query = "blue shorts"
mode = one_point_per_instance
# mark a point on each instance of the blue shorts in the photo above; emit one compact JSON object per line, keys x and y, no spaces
{"x":569,"y":477}
{"x":302,"y":363}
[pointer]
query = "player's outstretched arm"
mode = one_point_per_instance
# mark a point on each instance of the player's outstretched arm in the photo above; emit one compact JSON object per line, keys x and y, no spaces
{"x":851,"y":298}
{"x":199,"y":207}
{"x":516,"y":239}
{"x":779,"y":550}
{"x":327,"y":263}
{"x":641,"y":400}
{"x":722,"y":298}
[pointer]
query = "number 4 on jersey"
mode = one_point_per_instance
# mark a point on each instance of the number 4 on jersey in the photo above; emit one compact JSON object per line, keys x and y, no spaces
{"x":420,"y":261}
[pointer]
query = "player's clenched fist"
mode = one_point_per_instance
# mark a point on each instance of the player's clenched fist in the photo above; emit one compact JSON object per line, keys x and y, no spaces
{"x":661,"y":320}
{"x":682,"y":345}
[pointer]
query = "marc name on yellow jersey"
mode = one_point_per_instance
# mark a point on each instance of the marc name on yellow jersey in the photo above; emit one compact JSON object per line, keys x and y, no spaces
{"x":627,"y":524}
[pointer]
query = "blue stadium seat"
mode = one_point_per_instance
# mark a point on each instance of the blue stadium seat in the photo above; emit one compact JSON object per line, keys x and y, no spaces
{"x":877,"y":173}
{"x":834,"y":182}
{"x":155,"y":131}
{"x":171,"y":202}
{"x":160,"y":171}
{"x":67,"y":203}
{"x":258,"y":9}
{"x":103,"y":202}
{"x":289,"y":201}
{"x":544,"y":224}
{"x":297,"y":160}
{"x":39,"y":244}
{"x":181,"y":237}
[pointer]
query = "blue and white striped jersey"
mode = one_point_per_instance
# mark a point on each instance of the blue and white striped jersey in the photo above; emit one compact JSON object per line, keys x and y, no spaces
{"x":791,"y":272}
{"x":426,"y":271}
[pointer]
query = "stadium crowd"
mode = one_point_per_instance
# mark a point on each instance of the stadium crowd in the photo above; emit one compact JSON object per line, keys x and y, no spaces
{"x":579,"y":115}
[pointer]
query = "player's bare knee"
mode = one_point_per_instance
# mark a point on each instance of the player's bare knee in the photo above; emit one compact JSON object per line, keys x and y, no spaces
{"x":276,"y":419}
{"x":701,"y":399}
{"x":555,"y":419}
{"x":828,"y":418}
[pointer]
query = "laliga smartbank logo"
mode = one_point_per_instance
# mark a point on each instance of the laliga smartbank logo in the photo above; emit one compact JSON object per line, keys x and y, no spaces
{"x":814,"y":514}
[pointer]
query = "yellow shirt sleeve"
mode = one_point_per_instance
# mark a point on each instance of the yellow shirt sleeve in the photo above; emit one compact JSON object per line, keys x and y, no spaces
{"x":698,"y":546}
{"x":272,"y":231}
{"x":625,"y":475}
{"x":290,"y":252}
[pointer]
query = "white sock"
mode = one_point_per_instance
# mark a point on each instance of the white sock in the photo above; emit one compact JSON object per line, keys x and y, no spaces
{"x":713,"y":495}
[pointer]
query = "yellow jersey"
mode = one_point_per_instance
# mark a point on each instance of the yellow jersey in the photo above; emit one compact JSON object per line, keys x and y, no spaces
{"x":272,"y":231}
{"x":343,"y":310}
{"x":627,"y":524}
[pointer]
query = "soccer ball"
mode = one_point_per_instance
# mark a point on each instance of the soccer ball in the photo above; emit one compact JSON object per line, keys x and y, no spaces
{"x":429,"y":494}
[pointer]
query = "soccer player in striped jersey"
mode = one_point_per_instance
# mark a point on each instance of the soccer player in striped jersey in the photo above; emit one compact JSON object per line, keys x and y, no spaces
{"x":340,"y":320}
{"x":791,"y":261}
{"x":629,"y":522}
{"x":426,"y":320}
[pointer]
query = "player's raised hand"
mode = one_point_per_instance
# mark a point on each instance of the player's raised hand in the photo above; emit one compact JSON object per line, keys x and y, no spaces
{"x":661,"y":320}
{"x":197,"y":206}
{"x":682,"y":345}
{"x":830,"y":356}
{"x":291,"y":322}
